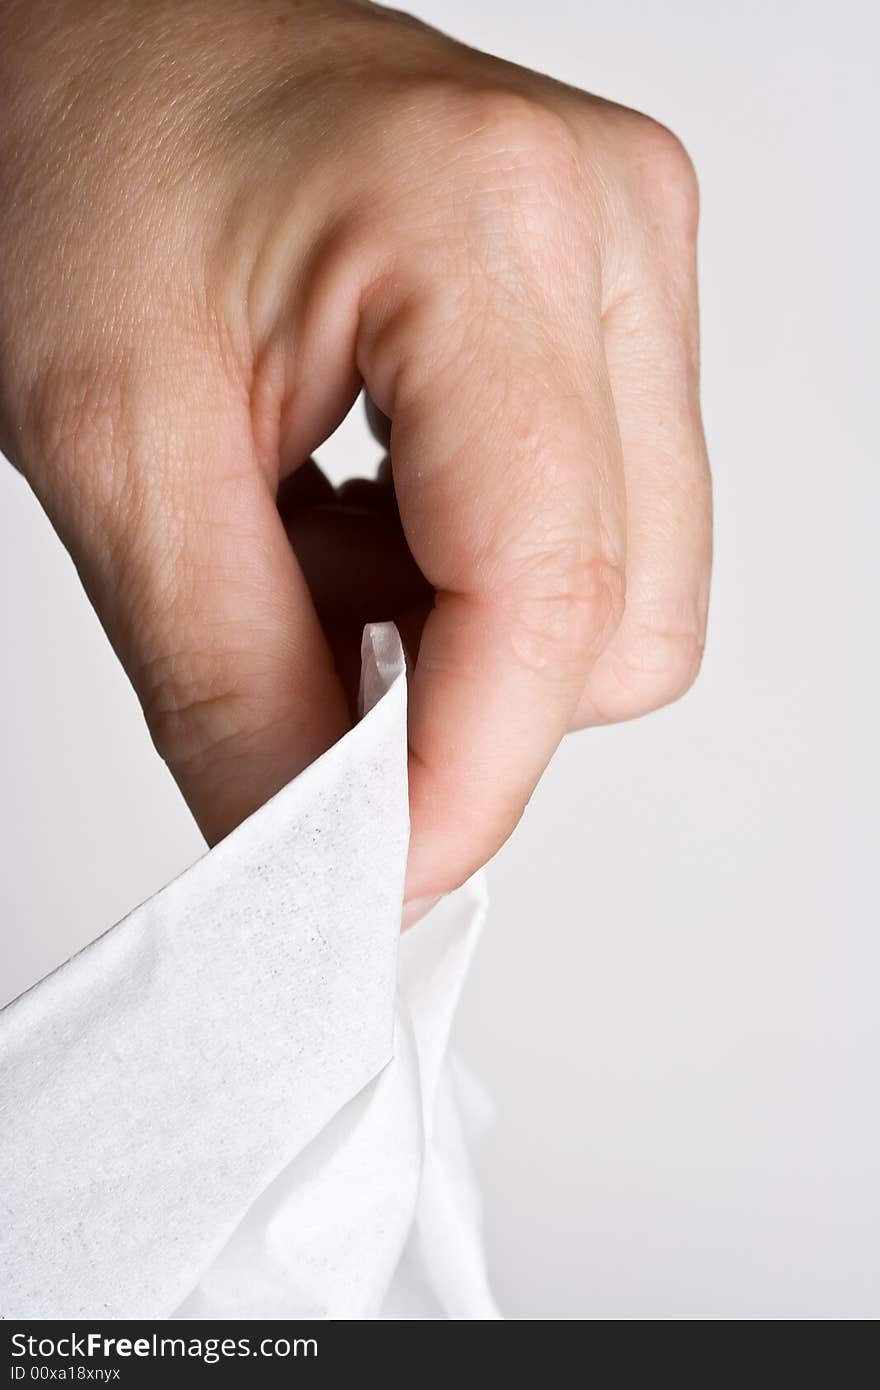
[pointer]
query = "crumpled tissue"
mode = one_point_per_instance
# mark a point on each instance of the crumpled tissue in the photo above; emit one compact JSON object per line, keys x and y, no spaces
{"x":239,"y":1102}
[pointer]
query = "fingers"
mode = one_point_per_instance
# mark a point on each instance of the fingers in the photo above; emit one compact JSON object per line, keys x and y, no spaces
{"x":517,"y":429}
{"x":507,"y":470}
{"x":177,"y":537}
{"x":534,"y":455}
{"x":655,"y":654}
{"x":651,"y":347}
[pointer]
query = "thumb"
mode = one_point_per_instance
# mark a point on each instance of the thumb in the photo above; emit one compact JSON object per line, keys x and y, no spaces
{"x":174,"y":530}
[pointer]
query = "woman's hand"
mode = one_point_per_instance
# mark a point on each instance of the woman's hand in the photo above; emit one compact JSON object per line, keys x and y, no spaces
{"x":221,"y":220}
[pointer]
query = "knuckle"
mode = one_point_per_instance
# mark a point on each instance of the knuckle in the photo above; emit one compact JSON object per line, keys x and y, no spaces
{"x":495,"y":218}
{"x":599,"y":595}
{"x":524,"y":162}
{"x":74,"y":437}
{"x":514,"y":160}
{"x":509,"y":127}
{"x":565,"y":618}
{"x":194,"y":707}
{"x":655,"y":666}
{"x":666,"y":173}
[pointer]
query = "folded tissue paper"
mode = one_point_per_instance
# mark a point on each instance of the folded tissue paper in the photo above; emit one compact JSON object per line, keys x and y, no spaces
{"x":239,"y":1102}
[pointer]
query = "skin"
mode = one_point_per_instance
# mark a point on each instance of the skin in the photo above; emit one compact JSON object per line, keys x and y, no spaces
{"x":222,"y":220}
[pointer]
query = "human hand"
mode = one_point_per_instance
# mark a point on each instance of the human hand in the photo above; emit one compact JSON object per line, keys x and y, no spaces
{"x":220,"y":222}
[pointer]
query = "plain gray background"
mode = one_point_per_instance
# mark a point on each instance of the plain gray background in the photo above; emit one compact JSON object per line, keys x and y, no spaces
{"x":675,"y":1005}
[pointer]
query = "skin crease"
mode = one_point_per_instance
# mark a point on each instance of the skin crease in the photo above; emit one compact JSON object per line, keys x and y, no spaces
{"x":223,"y":219}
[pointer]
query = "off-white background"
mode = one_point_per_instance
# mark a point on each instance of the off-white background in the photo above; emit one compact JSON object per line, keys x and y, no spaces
{"x":676,"y":1002}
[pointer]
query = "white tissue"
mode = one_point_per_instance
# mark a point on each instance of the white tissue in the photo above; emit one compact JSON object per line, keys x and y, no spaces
{"x":239,"y":1102}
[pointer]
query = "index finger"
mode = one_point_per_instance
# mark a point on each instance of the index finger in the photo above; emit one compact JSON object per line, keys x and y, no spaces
{"x":507,"y":466}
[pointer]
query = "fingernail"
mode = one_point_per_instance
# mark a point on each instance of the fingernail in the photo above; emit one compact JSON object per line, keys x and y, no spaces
{"x":416,"y":909}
